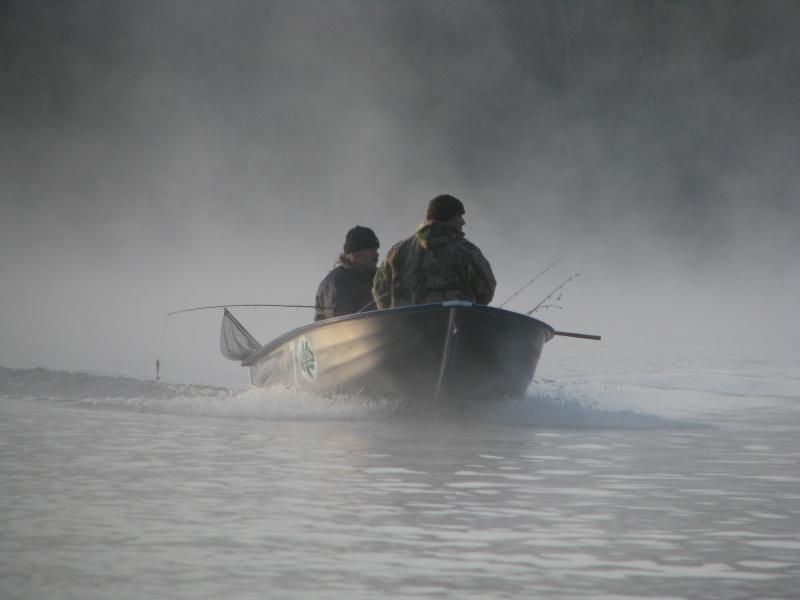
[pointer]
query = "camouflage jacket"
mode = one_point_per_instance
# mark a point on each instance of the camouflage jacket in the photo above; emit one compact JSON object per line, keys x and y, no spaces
{"x":345,"y":290}
{"x":433,"y":265}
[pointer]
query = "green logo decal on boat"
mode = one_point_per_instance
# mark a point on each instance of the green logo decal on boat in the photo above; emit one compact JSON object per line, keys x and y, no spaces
{"x":306,"y":359}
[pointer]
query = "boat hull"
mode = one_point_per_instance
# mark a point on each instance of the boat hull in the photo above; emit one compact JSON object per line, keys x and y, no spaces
{"x":449,"y":352}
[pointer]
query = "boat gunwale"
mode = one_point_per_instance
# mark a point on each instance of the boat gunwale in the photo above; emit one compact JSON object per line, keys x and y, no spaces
{"x":275,"y":343}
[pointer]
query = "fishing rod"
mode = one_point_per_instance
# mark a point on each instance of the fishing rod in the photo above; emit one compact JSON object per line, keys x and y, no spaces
{"x":539,"y":274}
{"x":583,"y":336}
{"x":185,"y":310}
{"x":550,"y":295}
{"x":175,"y":312}
{"x":373,"y":302}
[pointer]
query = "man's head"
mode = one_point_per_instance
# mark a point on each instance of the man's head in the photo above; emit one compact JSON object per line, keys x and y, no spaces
{"x":361,"y":248}
{"x":447,"y":209}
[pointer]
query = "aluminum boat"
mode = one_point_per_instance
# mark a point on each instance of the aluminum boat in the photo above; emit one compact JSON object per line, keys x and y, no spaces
{"x":444,"y":353}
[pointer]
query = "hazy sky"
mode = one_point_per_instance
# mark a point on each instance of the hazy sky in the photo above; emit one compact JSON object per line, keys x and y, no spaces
{"x":156,"y":155}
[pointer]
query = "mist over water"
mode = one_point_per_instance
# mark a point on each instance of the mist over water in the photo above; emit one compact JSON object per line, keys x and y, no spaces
{"x":157,"y":156}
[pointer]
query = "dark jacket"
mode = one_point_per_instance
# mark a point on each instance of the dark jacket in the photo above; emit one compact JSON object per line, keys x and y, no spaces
{"x":435,"y":264}
{"x":344,"y":291}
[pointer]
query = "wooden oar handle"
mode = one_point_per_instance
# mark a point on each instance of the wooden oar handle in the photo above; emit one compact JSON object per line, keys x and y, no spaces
{"x":583,"y":336}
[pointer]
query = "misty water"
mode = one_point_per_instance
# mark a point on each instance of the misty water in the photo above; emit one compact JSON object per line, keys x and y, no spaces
{"x":156,"y":156}
{"x":610,"y":479}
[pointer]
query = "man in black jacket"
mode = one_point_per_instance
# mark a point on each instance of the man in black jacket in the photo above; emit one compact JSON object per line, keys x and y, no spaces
{"x":347,"y":288}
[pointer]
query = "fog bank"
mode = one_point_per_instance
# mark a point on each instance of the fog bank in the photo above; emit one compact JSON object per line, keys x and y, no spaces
{"x":160,"y":155}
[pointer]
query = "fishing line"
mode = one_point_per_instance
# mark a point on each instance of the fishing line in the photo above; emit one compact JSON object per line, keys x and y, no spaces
{"x":185,"y":310}
{"x":539,"y":274}
{"x":175,"y":312}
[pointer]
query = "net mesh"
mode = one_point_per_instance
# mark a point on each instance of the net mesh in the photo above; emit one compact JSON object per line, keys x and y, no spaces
{"x":235,"y":341}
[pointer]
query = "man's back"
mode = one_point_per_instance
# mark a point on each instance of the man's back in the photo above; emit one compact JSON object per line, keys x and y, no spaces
{"x":345,"y":290}
{"x":435,"y":264}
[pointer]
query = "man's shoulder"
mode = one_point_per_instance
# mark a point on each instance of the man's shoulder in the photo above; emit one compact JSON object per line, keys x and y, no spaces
{"x":409,"y":241}
{"x":402,"y":246}
{"x":464,"y":247}
{"x":341,"y":272}
{"x":346,"y":275}
{"x":334,"y":275}
{"x":343,"y":279}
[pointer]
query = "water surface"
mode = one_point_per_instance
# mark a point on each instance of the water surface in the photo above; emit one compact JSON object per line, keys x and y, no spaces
{"x":125,"y":489}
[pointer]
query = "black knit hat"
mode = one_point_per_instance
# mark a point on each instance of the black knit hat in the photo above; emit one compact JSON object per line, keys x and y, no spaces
{"x":359,"y":238}
{"x":444,"y":208}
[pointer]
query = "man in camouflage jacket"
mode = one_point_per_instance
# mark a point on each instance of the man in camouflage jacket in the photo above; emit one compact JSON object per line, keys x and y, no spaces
{"x":435,"y":264}
{"x":347,"y":288}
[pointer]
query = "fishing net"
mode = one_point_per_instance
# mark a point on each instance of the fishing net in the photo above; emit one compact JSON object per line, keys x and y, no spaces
{"x":234,"y":341}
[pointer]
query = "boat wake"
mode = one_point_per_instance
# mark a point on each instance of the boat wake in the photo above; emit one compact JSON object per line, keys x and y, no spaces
{"x":125,"y":393}
{"x":543,"y":406}
{"x":571,"y":409}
